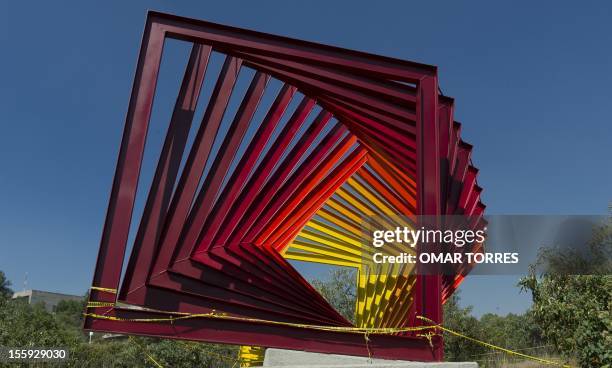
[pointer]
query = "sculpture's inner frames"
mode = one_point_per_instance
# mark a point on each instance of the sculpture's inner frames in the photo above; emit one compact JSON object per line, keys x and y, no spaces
{"x":249,"y":160}
{"x":276,"y":149}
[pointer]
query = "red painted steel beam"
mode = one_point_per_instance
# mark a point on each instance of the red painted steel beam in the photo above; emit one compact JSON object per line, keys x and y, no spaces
{"x":204,"y":203}
{"x":254,"y":213}
{"x":383,"y":346}
{"x":235,"y":39}
{"x":257,"y":181}
{"x":390,"y":196}
{"x":119,"y":213}
{"x":315,"y":86}
{"x":246,"y":165}
{"x":167,"y":169}
{"x":428,"y":288}
{"x":271,"y":231}
{"x":398,"y":93}
{"x":196,"y":161}
{"x":319,"y":161}
{"x":315,"y":199}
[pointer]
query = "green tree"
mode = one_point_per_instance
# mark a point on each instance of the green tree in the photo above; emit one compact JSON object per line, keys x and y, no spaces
{"x":513,"y":331}
{"x":140,"y":352}
{"x":70,"y":312}
{"x":575,"y":311}
{"x":340,"y":290}
{"x":192,"y":354}
{"x":22,"y":325}
{"x":116,"y":353}
{"x":5,"y":287}
{"x":460,"y":319}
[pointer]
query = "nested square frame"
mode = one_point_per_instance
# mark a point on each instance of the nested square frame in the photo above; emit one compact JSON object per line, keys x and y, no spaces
{"x":348,"y":84}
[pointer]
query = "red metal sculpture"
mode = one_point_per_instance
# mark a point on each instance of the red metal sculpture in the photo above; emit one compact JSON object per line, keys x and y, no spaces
{"x":216,"y":245}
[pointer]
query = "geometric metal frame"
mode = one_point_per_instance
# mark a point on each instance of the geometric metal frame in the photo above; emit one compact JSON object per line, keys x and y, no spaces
{"x":371,"y":95}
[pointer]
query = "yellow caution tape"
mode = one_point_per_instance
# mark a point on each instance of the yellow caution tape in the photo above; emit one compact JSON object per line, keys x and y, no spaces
{"x":106,"y":290}
{"x":99,"y":304}
{"x":360,"y":330}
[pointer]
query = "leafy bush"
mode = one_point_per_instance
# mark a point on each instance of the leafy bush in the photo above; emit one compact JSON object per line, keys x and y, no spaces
{"x":5,"y":287}
{"x":23,"y":325}
{"x":460,"y":319}
{"x":575,"y":311}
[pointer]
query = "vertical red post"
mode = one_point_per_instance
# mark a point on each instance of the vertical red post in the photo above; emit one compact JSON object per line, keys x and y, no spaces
{"x":125,"y":182}
{"x":428,"y":288}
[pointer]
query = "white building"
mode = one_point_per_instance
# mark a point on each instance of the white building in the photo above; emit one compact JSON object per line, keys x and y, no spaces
{"x":49,"y":299}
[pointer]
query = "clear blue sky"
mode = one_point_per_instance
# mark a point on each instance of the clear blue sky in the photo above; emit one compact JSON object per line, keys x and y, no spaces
{"x":531,"y":82}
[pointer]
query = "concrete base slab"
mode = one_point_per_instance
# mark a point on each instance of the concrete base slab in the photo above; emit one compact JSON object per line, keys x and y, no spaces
{"x":278,"y":358}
